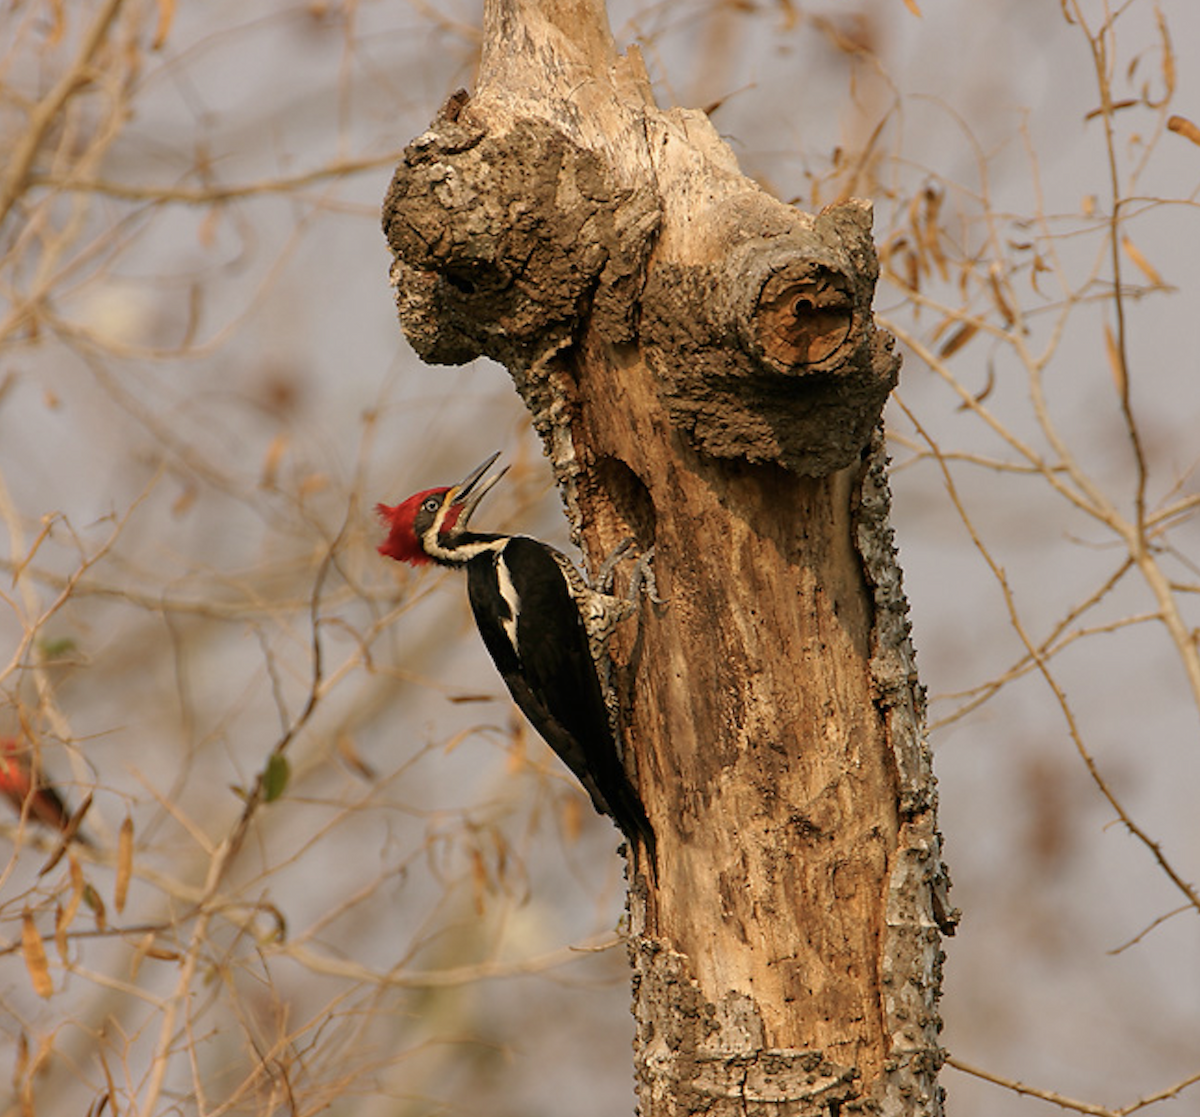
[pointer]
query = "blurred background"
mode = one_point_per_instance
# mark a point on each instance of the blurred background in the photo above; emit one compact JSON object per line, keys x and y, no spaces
{"x":204,"y":391}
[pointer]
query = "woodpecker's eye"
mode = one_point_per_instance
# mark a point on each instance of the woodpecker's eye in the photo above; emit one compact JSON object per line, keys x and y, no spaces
{"x":431,"y":505}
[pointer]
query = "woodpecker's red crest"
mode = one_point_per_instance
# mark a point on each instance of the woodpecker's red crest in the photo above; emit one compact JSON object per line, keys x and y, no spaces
{"x":402,"y":543}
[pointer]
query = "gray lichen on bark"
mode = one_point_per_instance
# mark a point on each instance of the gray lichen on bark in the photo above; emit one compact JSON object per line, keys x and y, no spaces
{"x":703,"y":1058}
{"x":505,"y":244}
{"x":918,"y":908}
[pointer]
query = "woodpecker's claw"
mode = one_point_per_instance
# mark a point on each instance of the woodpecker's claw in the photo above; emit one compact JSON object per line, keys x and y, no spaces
{"x":608,"y":568}
{"x":643,"y":575}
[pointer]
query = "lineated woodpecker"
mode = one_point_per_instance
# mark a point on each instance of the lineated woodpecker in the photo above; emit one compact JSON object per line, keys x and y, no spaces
{"x":544,"y":626}
{"x":30,"y":794}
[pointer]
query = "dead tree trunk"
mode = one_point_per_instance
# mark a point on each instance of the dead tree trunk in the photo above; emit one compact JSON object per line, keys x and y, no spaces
{"x":703,"y":366}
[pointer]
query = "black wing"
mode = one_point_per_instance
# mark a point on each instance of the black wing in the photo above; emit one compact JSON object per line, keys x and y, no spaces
{"x":542,"y":654}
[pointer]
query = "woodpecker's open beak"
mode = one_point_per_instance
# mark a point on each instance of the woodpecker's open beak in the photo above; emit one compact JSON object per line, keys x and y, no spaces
{"x":471,"y":489}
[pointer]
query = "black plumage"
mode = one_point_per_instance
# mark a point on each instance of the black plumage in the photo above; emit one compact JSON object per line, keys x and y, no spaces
{"x":533,"y":630}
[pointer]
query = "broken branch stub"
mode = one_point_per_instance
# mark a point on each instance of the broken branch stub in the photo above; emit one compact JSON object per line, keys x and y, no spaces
{"x":770,"y":352}
{"x":514,"y":242}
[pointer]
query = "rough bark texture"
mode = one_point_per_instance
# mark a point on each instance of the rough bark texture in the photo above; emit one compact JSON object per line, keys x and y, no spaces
{"x":702,"y":363}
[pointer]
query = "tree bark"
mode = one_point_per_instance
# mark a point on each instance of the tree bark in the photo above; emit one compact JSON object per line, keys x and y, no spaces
{"x":702,"y":364}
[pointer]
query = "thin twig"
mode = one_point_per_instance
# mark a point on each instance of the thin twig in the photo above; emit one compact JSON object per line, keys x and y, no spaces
{"x":1032,"y":1091}
{"x":42,"y":118}
{"x":212,"y":195}
{"x":1044,"y":669}
{"x":451,"y":977}
{"x":1146,"y":930}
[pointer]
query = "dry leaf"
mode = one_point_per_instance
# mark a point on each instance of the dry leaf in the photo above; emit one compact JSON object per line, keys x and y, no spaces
{"x":76,"y":819}
{"x":930,"y":231}
{"x":59,"y":25}
{"x":124,"y":863}
{"x":479,"y":880}
{"x":166,"y":13}
{"x":1114,"y":361}
{"x":22,"y":1063}
{"x":66,"y":916}
{"x":60,"y":934}
{"x":1002,"y":303}
{"x":68,"y":833}
{"x":92,"y":898}
{"x":35,"y":957}
{"x":270,"y":470}
{"x":989,"y":384}
{"x":147,"y":949}
{"x":1170,"y":76}
{"x":1181,"y":126}
{"x":1143,"y":265}
{"x":22,"y":1083}
{"x":77,"y":884}
{"x":912,"y":272}
{"x":1039,"y":266}
{"x":277,"y":932}
{"x":348,"y":751}
{"x":958,"y":339}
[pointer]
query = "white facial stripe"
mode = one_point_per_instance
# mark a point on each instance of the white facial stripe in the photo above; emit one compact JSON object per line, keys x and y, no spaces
{"x":440,"y":519}
{"x":509,"y":592}
{"x":459,"y":552}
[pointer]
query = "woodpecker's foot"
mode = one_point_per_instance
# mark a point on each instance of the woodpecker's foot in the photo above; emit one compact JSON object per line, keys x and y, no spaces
{"x":608,"y":568}
{"x":643,"y":576}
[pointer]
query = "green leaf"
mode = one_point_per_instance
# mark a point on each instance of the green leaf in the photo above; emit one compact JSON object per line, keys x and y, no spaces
{"x":275,"y":778}
{"x":57,"y":649}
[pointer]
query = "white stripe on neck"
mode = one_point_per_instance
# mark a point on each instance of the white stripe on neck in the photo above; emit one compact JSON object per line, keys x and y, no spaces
{"x":462,"y":552}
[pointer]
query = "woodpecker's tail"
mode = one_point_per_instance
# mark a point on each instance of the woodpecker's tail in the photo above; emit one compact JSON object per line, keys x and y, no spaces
{"x":630,"y":817}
